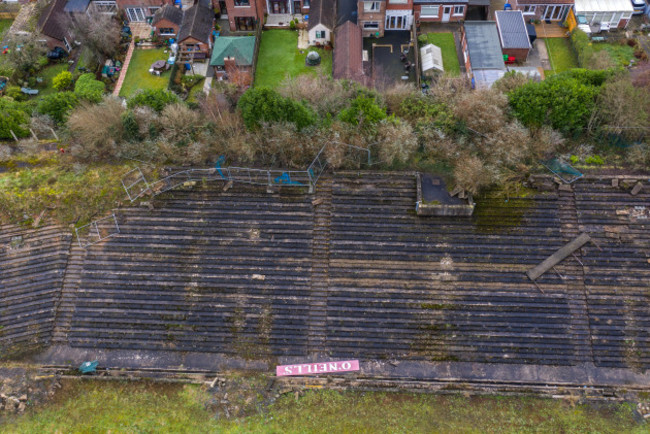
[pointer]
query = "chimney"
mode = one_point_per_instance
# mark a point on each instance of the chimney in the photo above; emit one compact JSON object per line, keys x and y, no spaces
{"x":230,"y":65}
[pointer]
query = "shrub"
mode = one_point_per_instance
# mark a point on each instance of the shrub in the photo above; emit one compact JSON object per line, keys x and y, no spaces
{"x":260,"y":105}
{"x":89,"y":89}
{"x":323,"y":94}
{"x":595,"y":159}
{"x":582,"y":46}
{"x":363,"y":110}
{"x":130,"y":127}
{"x":62,"y":80}
{"x":14,"y":118}
{"x":511,"y":81}
{"x":180,"y":122}
{"x":15,"y":93}
{"x":483,"y":110}
{"x":157,"y":99}
{"x":58,"y":106}
{"x":397,"y":142}
{"x":564,"y":101}
{"x":96,"y":129}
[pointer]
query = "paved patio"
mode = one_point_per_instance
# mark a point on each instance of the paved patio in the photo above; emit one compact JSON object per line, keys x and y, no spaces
{"x":387,"y":67}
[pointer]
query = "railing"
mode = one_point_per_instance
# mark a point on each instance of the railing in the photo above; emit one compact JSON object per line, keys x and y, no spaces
{"x":97,"y":231}
{"x":136,"y":185}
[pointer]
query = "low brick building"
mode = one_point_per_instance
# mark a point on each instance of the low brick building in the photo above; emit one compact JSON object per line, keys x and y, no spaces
{"x":167,"y":21}
{"x":195,"y":34}
{"x":513,"y":34}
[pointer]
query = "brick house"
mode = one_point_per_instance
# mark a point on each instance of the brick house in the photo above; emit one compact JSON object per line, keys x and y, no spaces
{"x":372,"y":17}
{"x":544,"y":10}
{"x":167,"y":21}
{"x":195,"y":34}
{"x":232,"y":59}
{"x":242,"y":14}
{"x":440,"y":11}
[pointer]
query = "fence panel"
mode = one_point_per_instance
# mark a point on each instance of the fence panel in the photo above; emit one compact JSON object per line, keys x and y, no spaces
{"x":97,"y":231}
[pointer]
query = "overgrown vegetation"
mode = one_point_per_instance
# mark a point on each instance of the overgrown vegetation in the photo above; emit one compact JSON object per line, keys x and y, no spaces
{"x":87,"y":406}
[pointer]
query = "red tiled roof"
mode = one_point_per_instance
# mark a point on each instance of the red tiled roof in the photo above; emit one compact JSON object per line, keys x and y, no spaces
{"x":348,"y":53}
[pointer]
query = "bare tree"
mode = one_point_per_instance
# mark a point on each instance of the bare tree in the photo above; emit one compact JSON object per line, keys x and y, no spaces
{"x":99,"y":33}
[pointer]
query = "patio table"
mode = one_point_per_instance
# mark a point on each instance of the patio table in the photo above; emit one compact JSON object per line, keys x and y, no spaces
{"x":159,"y":65}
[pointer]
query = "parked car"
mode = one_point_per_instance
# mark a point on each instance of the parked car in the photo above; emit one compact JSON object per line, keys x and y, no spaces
{"x":639,"y":6}
{"x":57,"y":53}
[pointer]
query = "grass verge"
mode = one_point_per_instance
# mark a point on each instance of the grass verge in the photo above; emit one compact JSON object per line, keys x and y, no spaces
{"x":4,"y":26}
{"x":620,"y":53}
{"x":560,"y":54}
{"x":279,"y":57}
{"x":48,"y":73}
{"x":88,"y":406}
{"x":138,"y":76}
{"x":448,"y":47}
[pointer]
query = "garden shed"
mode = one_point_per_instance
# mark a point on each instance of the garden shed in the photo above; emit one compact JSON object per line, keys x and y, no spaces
{"x":482,"y":52}
{"x":431,"y":56}
{"x":602,"y":15}
{"x":322,"y":18}
{"x":513,"y":34}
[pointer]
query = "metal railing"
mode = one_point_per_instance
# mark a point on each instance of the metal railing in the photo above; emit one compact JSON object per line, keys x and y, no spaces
{"x":97,"y":231}
{"x":136,"y":185}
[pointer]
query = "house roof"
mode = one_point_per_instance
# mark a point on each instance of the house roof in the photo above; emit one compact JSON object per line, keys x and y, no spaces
{"x":242,"y":48}
{"x":512,"y":29}
{"x":484,"y":45}
{"x":76,"y":6}
{"x":52,"y":21}
{"x":583,"y":6}
{"x":169,"y":13}
{"x":348,"y":53}
{"x":322,"y":12}
{"x":197,"y":22}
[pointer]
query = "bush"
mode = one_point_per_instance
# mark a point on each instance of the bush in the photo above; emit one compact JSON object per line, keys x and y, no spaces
{"x":15,"y":93}
{"x":62,"y":80}
{"x":564,"y":101}
{"x":582,"y":46}
{"x":260,"y":105}
{"x":89,"y":89}
{"x":130,"y":127}
{"x":189,"y":81}
{"x":96,"y":129}
{"x":363,"y":110}
{"x":156,"y":99}
{"x":58,"y":106}
{"x":397,"y":142}
{"x":596,"y":160}
{"x":15,"y":117}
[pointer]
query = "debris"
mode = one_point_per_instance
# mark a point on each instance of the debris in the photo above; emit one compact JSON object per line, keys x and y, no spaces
{"x":259,"y":277}
{"x":614,"y":182}
{"x":228,"y":186}
{"x":456,"y":191}
{"x":317,"y":202}
{"x":558,"y":256}
{"x":565,"y":187}
{"x":637,"y":188}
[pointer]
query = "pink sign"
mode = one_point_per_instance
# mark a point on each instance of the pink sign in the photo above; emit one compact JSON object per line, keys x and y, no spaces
{"x":317,"y":368}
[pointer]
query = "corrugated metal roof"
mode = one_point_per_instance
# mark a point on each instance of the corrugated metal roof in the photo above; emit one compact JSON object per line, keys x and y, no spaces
{"x":583,"y":6}
{"x":484,"y":45}
{"x":512,"y":29}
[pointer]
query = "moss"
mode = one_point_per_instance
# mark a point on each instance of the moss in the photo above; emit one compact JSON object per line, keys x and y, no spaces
{"x":498,"y":210}
{"x":437,"y":306}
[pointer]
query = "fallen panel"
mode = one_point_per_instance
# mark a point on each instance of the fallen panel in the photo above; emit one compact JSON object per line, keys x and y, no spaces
{"x":558,"y":256}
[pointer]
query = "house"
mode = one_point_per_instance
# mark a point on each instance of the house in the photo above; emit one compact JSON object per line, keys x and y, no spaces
{"x":53,"y":28}
{"x":596,"y":15}
{"x":440,"y":11}
{"x":371,"y":16}
{"x":195,"y":34}
{"x":482,"y":52}
{"x":347,"y":62}
{"x":167,"y":21}
{"x":513,"y":34}
{"x":243,"y":14}
{"x":546,"y":10}
{"x":139,"y":10}
{"x":232,"y":59}
{"x":322,"y":18}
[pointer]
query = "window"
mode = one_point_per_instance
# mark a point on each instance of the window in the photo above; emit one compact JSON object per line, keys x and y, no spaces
{"x":166,"y":31}
{"x":321,"y":34}
{"x":135,"y":14}
{"x":242,"y":3}
{"x":153,"y":9}
{"x":67,"y":44}
{"x":370,"y":6}
{"x":430,"y":11}
{"x":398,"y":2}
{"x":305,"y":3}
{"x":459,"y":10}
{"x":371,"y":25}
{"x":529,"y":10}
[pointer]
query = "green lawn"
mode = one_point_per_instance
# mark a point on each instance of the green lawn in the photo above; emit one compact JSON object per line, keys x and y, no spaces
{"x":48,"y":73}
{"x":560,"y":55}
{"x":4,"y":26}
{"x":620,"y":53}
{"x":279,"y":57}
{"x":138,"y":76}
{"x":102,"y":406}
{"x":446,"y":43}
